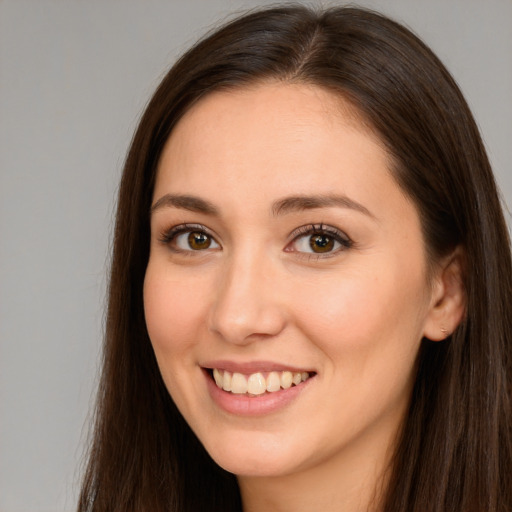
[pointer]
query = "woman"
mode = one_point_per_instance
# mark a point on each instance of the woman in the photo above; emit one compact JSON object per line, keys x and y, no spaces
{"x":311,"y":283}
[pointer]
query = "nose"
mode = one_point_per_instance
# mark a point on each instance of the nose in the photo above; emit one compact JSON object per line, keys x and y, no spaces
{"x":246,"y":306}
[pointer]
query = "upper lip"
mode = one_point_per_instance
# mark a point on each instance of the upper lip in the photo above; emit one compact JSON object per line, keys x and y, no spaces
{"x":252,"y":366}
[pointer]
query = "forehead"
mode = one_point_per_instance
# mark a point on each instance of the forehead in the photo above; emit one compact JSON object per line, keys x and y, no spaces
{"x":276,"y":104}
{"x":274,"y":132}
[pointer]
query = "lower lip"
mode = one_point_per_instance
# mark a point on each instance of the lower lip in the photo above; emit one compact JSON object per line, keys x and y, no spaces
{"x":244,"y":405}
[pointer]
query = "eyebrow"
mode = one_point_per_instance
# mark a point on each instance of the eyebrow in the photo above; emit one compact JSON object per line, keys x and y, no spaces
{"x":185,"y":202}
{"x":300,"y":203}
{"x":281,"y":207}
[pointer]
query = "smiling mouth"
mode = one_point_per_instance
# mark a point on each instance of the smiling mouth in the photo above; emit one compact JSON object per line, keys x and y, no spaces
{"x":259,"y":383}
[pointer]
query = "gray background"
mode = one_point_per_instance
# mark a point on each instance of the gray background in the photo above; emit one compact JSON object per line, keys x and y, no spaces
{"x":74,"y":77}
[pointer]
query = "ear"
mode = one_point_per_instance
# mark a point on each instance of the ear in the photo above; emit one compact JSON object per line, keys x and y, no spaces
{"x":448,"y":299}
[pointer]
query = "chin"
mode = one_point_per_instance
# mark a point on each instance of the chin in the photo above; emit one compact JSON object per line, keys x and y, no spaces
{"x":258,"y":467}
{"x":257,"y":459}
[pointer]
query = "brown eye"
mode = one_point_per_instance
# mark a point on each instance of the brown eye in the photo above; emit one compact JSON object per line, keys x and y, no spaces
{"x":189,"y":240}
{"x":320,"y":240}
{"x":198,"y":241}
{"x":321,"y":243}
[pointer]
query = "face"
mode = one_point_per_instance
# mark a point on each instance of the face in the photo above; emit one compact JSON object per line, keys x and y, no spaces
{"x":287,"y":267}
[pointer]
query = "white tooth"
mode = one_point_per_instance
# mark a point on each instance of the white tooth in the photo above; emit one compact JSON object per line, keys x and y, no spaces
{"x":226,"y":381}
{"x":218,"y":377}
{"x":238,"y":384}
{"x":273,"y":382}
{"x":286,"y":380}
{"x":296,"y":379}
{"x":304,"y":376}
{"x":256,"y":384}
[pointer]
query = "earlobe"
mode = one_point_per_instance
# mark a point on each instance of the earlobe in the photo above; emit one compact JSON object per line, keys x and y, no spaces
{"x":448,"y":299}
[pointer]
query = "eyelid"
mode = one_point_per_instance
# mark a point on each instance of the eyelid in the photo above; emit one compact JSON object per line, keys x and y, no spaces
{"x":311,"y":229}
{"x":169,"y":235}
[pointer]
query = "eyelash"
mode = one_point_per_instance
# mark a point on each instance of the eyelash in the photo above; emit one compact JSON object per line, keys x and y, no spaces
{"x":310,"y":230}
{"x":169,"y":237}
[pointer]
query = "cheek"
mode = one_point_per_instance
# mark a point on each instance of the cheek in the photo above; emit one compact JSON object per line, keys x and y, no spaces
{"x":173,"y":312}
{"x":362,"y":309}
{"x":340,"y":304}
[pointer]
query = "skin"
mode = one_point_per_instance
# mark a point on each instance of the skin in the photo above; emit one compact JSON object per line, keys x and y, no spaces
{"x":355,"y":315}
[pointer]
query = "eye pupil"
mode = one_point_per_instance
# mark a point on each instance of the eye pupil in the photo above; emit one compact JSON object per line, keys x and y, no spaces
{"x":198,"y":240}
{"x":321,"y":243}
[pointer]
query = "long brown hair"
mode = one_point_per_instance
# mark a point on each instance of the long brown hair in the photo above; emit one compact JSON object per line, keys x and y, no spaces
{"x":455,"y":451}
